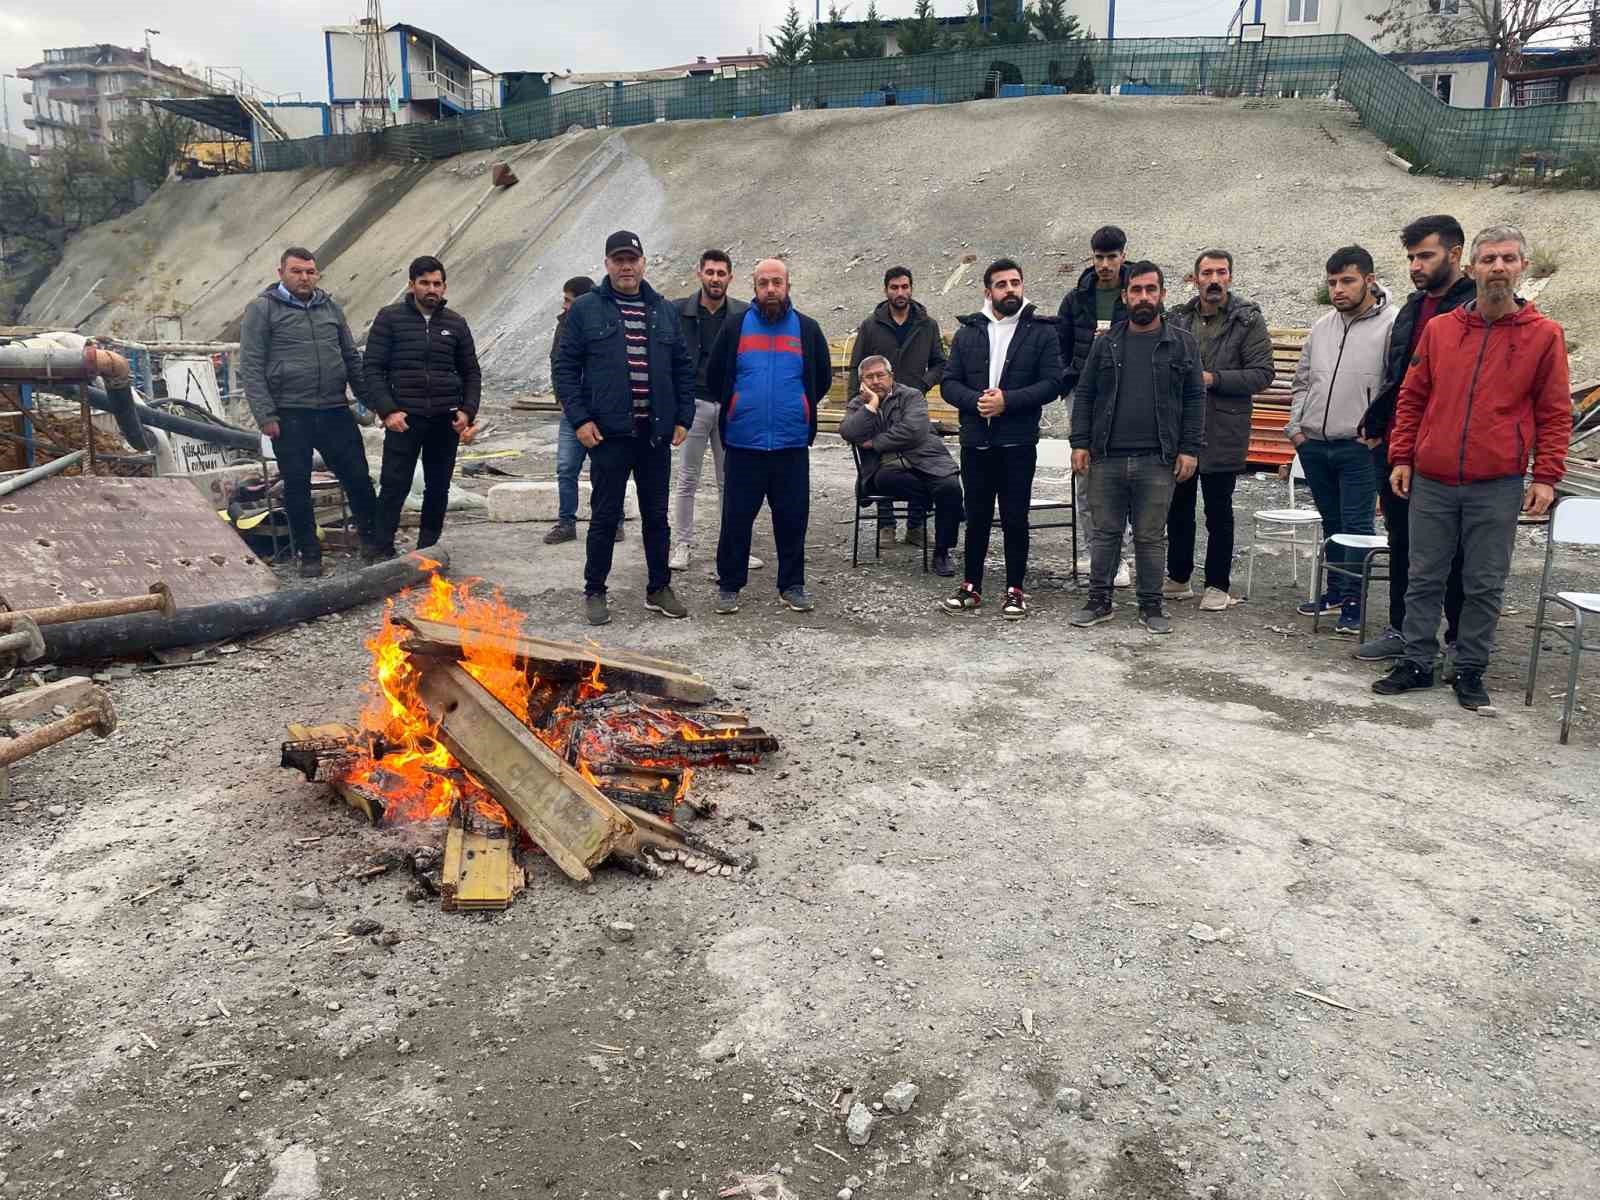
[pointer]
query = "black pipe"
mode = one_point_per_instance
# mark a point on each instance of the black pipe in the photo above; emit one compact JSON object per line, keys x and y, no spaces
{"x":115,"y":637}
{"x":217,"y":434}
{"x":120,"y":402}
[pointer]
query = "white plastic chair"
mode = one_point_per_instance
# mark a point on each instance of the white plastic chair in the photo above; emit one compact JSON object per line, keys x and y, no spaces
{"x":1574,"y":521}
{"x":1284,"y":525}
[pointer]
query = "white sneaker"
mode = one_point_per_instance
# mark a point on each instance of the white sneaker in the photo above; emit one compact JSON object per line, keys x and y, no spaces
{"x":1124,"y":576}
{"x":679,"y":560}
{"x":1216,"y":600}
{"x":757,"y":563}
{"x":1173,"y":590}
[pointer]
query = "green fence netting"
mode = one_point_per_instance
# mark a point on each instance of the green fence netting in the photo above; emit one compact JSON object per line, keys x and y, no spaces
{"x":1468,"y":143}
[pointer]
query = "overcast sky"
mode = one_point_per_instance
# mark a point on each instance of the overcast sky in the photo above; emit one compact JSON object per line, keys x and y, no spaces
{"x":277,"y":42}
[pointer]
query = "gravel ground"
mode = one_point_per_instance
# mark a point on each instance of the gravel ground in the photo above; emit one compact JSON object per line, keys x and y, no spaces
{"x":842,"y":195}
{"x":969,"y":819}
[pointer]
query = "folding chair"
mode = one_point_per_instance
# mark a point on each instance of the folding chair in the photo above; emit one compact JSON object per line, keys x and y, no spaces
{"x":866,"y":512}
{"x":1574,"y":521}
{"x":1284,"y":525}
{"x":1371,"y":545}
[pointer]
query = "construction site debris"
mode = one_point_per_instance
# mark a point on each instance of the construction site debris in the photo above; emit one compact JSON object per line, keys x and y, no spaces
{"x":98,"y":715}
{"x":158,"y":600}
{"x":15,"y":483}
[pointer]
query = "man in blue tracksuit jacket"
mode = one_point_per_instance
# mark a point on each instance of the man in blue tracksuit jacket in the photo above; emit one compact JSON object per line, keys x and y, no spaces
{"x":768,"y":373}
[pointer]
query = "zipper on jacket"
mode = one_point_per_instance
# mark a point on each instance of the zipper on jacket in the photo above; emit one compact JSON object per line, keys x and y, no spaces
{"x":316,"y":351}
{"x":427,"y":358}
{"x":1466,"y":421}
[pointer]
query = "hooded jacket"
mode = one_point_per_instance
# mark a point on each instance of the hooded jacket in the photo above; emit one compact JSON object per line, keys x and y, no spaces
{"x":426,"y":366}
{"x":1380,"y":413}
{"x":1076,"y":322}
{"x":1480,"y":397}
{"x":294,"y":355}
{"x":591,"y":375}
{"x":900,"y":434}
{"x":1241,"y":363}
{"x":770,"y":378}
{"x":1180,"y":393}
{"x":1030,"y":377}
{"x":918,"y":363}
{"x":1340,"y":371}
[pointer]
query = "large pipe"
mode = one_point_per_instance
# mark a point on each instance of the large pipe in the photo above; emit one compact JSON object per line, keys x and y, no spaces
{"x":55,"y":466}
{"x":217,"y":434}
{"x":114,"y":637}
{"x":49,"y":364}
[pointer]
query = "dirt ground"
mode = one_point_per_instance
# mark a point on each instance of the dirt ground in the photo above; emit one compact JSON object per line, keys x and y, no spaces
{"x":968,"y":819}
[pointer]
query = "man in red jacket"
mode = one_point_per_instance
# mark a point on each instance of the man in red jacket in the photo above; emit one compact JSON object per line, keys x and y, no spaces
{"x":1487,"y":387}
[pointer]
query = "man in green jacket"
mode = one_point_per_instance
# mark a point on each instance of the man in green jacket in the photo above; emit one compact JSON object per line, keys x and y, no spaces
{"x":296,"y":358}
{"x":1236,"y":357}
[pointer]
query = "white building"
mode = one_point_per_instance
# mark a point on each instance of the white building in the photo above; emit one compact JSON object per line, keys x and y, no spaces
{"x":83,"y":91}
{"x":418,"y":76}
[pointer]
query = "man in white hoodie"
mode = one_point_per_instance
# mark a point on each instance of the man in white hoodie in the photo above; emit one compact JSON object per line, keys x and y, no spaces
{"x":1340,"y":371}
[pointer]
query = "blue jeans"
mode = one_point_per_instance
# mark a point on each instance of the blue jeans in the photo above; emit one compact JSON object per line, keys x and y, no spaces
{"x":569,"y":463}
{"x":1345,"y":488}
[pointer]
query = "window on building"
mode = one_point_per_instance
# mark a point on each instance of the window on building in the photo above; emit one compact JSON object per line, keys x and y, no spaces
{"x":1439,"y":84}
{"x":1537,"y":91}
{"x":1445,"y":8}
{"x":1303,"y":12}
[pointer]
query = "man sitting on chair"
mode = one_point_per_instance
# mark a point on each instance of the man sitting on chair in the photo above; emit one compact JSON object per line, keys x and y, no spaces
{"x":901,"y":456}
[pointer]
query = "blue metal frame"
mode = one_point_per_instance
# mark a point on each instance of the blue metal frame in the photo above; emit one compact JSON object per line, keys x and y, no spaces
{"x":405,"y":71}
{"x":25,"y":402}
{"x":327,"y":52}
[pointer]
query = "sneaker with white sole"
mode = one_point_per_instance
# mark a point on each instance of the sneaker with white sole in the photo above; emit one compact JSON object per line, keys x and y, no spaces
{"x":1124,"y":577}
{"x":965,"y":600}
{"x":727,"y":603}
{"x":666,"y":603}
{"x":1155,"y":620}
{"x":1016,"y":606}
{"x":1216,"y":600}
{"x":1390,"y":644}
{"x":681,"y":554}
{"x":1173,"y":590}
{"x":1094,"y":612}
{"x":798,"y":599}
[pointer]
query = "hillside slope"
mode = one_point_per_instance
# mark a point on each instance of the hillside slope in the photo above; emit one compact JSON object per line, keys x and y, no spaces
{"x":841,"y":194}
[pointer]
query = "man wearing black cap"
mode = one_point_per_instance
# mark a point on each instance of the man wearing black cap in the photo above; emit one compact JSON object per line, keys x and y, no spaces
{"x":624,"y":378}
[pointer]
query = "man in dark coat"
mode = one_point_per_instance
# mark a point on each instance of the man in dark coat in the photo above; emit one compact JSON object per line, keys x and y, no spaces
{"x":901,"y":331}
{"x":423,"y":381}
{"x":1236,"y":362}
{"x":1005,"y":365}
{"x":901,"y":456}
{"x":1433,"y":248}
{"x":625,"y":381}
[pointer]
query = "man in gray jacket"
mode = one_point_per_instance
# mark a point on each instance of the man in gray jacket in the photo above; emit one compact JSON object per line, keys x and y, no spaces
{"x":901,"y":456}
{"x":296,"y":357}
{"x":1340,"y":371}
{"x":1236,"y":354}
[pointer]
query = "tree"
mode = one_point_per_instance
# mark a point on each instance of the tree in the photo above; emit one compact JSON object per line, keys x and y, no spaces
{"x":867,"y":39}
{"x":1083,"y":78}
{"x":919,"y":33}
{"x":791,"y":43}
{"x":1009,"y":23}
{"x":1053,"y":23}
{"x":828,"y":42}
{"x":1504,"y":27}
{"x":148,"y":143}
{"x":972,"y":34}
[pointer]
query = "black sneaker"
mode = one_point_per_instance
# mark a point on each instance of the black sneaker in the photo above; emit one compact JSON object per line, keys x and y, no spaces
{"x":1016,"y":605}
{"x":1320,"y":608}
{"x":665,"y":603}
{"x":561,"y":531}
{"x":1403,"y":677}
{"x":966,"y":600}
{"x":942,"y":566}
{"x":595,"y":609}
{"x":1470,"y":691}
{"x":310,"y":567}
{"x":376,"y":554}
{"x":1155,"y":620}
{"x":1094,"y":612}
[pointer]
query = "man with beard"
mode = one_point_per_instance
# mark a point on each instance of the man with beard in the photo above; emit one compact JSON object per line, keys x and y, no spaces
{"x":901,"y":331}
{"x":1236,"y":362}
{"x":703,"y":315}
{"x":424,"y":382}
{"x":1087,"y":311}
{"x":1433,"y":248}
{"x":769,"y":373}
{"x":296,"y":357}
{"x":1487,"y":386}
{"x":1005,"y":365}
{"x":1340,"y":371}
{"x":1138,"y":423}
{"x":625,"y":381}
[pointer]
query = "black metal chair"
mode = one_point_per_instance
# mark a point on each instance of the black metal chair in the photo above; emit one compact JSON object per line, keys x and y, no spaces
{"x":866,"y":512}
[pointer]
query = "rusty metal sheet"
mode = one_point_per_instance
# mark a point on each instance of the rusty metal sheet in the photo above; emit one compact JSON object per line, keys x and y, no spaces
{"x":67,"y":540}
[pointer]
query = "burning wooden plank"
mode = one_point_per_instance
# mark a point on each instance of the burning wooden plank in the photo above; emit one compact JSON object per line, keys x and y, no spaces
{"x":327,"y":754}
{"x":561,"y":810}
{"x":562,"y":661}
{"x":479,"y":873}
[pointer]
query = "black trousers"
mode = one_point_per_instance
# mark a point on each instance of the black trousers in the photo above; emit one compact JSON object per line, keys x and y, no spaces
{"x":610,"y":464}
{"x":434,"y":440}
{"x":1003,"y":474}
{"x":1217,"y":488}
{"x":1397,"y":521}
{"x":333,"y":433}
{"x":942,"y":494}
{"x":783,"y":479}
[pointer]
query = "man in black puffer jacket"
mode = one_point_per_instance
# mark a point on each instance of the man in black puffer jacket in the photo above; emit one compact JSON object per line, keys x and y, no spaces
{"x":1005,"y":365}
{"x":423,"y":378}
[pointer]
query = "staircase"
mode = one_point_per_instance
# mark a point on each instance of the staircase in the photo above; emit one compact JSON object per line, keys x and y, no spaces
{"x":258,"y":113}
